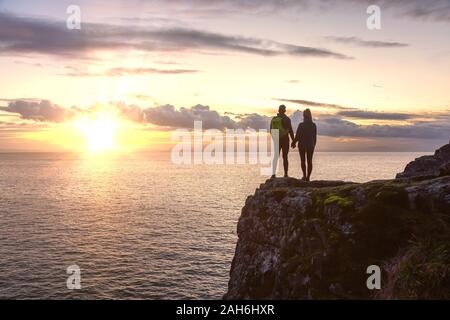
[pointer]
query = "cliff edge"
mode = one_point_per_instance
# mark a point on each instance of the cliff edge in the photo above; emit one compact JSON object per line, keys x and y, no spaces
{"x":300,"y":240}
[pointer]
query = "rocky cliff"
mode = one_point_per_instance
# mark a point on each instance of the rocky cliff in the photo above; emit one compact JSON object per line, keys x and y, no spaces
{"x":300,"y":240}
{"x":429,"y":166}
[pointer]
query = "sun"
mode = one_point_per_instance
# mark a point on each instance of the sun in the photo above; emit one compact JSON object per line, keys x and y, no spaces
{"x":99,"y":132}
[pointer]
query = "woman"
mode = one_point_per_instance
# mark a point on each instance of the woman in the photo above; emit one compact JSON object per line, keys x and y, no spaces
{"x":306,"y":137}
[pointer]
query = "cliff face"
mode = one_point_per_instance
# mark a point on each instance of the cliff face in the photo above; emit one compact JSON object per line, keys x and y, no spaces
{"x":300,"y":240}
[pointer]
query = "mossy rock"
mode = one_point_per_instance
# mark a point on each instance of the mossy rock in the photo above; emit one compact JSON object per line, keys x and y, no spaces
{"x":334,"y":238}
{"x":262,"y":284}
{"x":424,"y":272}
{"x":339,"y":201}
{"x":278,"y":193}
{"x":392,"y":195}
{"x":264,"y":215}
{"x":382,"y":228}
{"x":293,"y":263}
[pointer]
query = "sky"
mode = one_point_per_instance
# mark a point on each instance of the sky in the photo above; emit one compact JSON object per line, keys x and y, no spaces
{"x":138,"y":70}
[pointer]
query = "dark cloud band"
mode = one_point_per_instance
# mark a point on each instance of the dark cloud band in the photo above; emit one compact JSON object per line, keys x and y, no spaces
{"x":368,"y":43}
{"x":168,"y":117}
{"x":370,"y":115}
{"x":314,"y":104}
{"x":26,"y":35}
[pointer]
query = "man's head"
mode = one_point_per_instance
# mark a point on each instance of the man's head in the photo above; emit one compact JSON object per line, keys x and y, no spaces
{"x":282,"y":109}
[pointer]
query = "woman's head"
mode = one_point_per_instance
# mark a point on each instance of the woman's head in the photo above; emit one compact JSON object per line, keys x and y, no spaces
{"x":307,"y":116}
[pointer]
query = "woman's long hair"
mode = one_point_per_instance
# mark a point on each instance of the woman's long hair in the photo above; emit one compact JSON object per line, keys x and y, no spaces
{"x":307,"y":116}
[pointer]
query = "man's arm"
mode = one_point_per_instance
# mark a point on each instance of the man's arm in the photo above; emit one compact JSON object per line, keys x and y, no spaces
{"x":297,"y":136}
{"x":291,"y":131}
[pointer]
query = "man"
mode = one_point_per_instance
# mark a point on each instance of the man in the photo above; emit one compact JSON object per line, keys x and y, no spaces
{"x":284,"y":126}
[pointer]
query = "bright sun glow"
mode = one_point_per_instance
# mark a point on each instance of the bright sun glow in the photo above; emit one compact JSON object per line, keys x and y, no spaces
{"x":99,"y":132}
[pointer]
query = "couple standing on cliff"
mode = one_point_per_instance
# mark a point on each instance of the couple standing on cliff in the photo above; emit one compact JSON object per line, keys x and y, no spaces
{"x":306,"y":137}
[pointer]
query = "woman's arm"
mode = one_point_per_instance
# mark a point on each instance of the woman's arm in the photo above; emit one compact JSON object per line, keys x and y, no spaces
{"x":298,"y":133}
{"x":315,"y":134}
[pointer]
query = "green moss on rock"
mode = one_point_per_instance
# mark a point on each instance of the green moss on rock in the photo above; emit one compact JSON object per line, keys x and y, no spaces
{"x":392,"y":195}
{"x":338,"y":200}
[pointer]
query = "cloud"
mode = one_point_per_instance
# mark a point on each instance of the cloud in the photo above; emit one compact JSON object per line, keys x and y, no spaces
{"x":23,"y":99}
{"x":368,"y":43}
{"x":437,"y":127}
{"x":438,"y":10}
{"x":182,"y":39}
{"x":119,"y":72}
{"x":163,"y":116}
{"x":168,"y":117}
{"x":130,"y":112}
{"x":360,"y":114}
{"x":43,"y":111}
{"x":336,"y":127}
{"x":143,"y":97}
{"x":27,"y":35}
{"x":314,"y":104}
{"x":169,"y":62}
{"x":435,"y":10}
{"x":431,"y":10}
{"x":254,"y":121}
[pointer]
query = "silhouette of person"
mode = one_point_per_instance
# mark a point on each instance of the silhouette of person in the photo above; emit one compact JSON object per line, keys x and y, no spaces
{"x":306,"y":137}
{"x":282,"y":122}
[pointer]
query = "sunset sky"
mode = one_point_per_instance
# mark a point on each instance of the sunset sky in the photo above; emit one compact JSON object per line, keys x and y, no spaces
{"x":141,"y":69}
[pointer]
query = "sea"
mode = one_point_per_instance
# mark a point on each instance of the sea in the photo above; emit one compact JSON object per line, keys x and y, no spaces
{"x":136,"y":227}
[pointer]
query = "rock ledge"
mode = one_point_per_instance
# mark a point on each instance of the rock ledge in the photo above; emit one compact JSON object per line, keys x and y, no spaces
{"x":300,"y":240}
